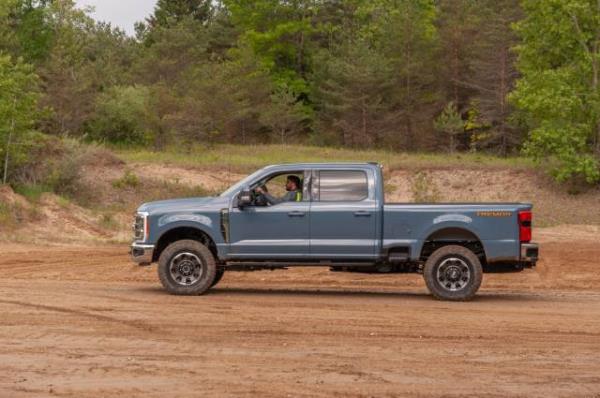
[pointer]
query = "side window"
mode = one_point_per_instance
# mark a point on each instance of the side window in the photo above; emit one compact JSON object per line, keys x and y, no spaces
{"x":279,"y":185}
{"x":343,"y":186}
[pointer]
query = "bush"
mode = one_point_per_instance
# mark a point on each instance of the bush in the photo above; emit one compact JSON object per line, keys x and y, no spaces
{"x":424,"y":189}
{"x":63,"y":170}
{"x":51,"y":164}
{"x":120,"y":116}
{"x":32,"y":192}
{"x":128,"y":180}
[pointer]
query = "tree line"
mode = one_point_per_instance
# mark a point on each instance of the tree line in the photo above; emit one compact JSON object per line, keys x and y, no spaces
{"x":501,"y":76}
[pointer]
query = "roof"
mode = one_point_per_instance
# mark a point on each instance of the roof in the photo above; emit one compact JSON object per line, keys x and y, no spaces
{"x":324,"y":165}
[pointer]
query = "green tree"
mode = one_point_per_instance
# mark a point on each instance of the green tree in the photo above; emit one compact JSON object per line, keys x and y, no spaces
{"x":493,"y":75}
{"x":173,"y":52}
{"x":406,"y":33}
{"x":279,"y":33}
{"x":284,"y":115}
{"x":559,"y":91}
{"x":18,"y":110}
{"x":450,"y":123}
{"x":120,"y":115}
{"x":33,"y":29}
{"x":352,"y":87}
{"x":233,"y":95}
{"x":458,"y":26}
{"x":85,"y":58}
{"x":170,"y":12}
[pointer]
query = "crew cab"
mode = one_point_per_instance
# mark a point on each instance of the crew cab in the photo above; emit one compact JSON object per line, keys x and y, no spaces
{"x":340,"y":220}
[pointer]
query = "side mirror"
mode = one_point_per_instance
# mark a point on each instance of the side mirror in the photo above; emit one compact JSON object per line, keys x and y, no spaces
{"x":244,"y":198}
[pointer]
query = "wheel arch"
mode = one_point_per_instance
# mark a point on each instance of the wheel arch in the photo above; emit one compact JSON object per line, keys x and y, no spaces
{"x":181,"y":232}
{"x":452,"y":235}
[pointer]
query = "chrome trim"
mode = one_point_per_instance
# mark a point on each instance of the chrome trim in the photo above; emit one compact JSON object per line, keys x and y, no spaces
{"x":528,"y":246}
{"x":146,"y":253}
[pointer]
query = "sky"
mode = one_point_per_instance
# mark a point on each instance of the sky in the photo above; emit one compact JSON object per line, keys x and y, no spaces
{"x":121,"y":13}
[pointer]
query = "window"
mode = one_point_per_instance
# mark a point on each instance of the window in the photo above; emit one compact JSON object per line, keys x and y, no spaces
{"x":343,"y":186}
{"x":276,"y":185}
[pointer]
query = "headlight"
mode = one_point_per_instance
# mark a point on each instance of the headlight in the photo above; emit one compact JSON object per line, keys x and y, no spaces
{"x":140,"y":227}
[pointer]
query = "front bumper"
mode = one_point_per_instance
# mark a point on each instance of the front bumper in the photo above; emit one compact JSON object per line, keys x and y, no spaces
{"x":142,"y":254}
{"x":529,"y":252}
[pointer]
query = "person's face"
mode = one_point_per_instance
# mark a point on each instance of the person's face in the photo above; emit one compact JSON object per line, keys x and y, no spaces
{"x":290,"y":185}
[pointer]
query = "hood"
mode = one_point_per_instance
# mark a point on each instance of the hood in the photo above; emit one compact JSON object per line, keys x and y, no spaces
{"x":162,"y":206}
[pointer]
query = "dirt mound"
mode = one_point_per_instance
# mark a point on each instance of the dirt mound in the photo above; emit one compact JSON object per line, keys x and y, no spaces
{"x":51,"y":219}
{"x":96,"y":156}
{"x":9,"y":198}
{"x":210,"y":180}
{"x":552,"y":204}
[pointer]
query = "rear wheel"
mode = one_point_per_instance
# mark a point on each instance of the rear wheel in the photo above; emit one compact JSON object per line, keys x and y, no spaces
{"x":453,"y":273}
{"x":186,"y":267}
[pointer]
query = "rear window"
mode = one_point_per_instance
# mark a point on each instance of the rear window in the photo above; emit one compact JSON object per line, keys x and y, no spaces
{"x":343,"y":186}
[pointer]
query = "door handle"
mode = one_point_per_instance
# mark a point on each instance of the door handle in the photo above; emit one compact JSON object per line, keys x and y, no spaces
{"x":296,"y":214}
{"x":362,"y":213}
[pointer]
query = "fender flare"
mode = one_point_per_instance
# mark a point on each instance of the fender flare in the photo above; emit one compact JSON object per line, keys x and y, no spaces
{"x":168,"y":223}
{"x":449,"y":224}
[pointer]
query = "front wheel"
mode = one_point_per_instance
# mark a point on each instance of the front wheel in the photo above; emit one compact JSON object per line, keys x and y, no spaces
{"x":453,"y":273}
{"x":186,"y":267}
{"x":218,"y":276}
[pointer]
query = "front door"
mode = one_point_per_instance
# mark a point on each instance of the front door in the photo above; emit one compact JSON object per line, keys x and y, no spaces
{"x":344,"y":216}
{"x":279,"y":231}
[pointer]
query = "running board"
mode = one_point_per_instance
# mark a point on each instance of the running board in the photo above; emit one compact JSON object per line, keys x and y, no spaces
{"x":285,"y":264}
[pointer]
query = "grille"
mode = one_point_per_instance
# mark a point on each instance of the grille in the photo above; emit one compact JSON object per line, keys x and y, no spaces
{"x":138,"y":227}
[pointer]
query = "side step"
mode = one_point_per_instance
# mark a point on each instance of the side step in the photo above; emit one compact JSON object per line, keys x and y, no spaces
{"x":398,"y":257}
{"x":260,"y":265}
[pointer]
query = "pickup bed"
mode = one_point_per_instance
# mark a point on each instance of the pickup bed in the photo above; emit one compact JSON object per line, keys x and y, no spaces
{"x":339,"y":219}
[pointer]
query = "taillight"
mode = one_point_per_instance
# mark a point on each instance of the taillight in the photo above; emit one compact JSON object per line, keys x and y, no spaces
{"x":525,"y":226}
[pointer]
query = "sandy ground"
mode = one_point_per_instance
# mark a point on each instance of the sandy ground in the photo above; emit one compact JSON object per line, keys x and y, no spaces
{"x":85,"y":322}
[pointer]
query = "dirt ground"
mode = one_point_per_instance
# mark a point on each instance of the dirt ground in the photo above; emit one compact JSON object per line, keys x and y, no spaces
{"x":85,"y":322}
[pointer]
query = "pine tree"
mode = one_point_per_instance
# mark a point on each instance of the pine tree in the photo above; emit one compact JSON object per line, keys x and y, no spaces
{"x":494,"y":74}
{"x":458,"y":25}
{"x":284,"y":115}
{"x":406,"y":33}
{"x":170,"y":12}
{"x":450,"y":123}
{"x":352,"y":89}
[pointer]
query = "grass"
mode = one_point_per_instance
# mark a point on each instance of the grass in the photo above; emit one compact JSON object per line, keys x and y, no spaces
{"x":33,"y":193}
{"x":6,"y":214}
{"x":128,"y":180}
{"x":423,"y":189}
{"x":247,"y":158}
{"x":108,"y":221}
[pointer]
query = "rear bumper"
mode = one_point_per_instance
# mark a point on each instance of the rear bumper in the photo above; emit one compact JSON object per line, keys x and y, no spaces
{"x":141,"y":254}
{"x":529,"y":253}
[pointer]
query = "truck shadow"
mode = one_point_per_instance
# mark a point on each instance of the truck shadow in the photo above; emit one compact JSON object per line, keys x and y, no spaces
{"x":418,"y":295}
{"x":481,"y":297}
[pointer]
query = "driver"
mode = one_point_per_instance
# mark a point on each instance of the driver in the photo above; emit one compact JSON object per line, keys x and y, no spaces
{"x":292,"y":186}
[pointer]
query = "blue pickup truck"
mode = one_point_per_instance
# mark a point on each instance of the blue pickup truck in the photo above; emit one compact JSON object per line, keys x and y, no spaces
{"x":337,"y":218}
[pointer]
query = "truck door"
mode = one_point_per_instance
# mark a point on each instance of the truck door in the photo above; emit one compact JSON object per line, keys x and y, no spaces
{"x":343,"y":215}
{"x":272,"y":232}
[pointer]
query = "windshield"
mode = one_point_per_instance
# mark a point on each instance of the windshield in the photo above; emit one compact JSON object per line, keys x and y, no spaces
{"x":238,"y":186}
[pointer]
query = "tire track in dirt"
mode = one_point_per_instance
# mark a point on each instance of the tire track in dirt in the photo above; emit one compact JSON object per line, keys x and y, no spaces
{"x":78,"y":312}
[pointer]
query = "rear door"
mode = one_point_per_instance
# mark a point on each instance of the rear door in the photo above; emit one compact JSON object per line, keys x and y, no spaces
{"x":343,"y":214}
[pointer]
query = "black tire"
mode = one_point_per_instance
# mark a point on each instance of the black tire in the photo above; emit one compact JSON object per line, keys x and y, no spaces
{"x":218,"y":276}
{"x":453,"y":273}
{"x":186,"y":268}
